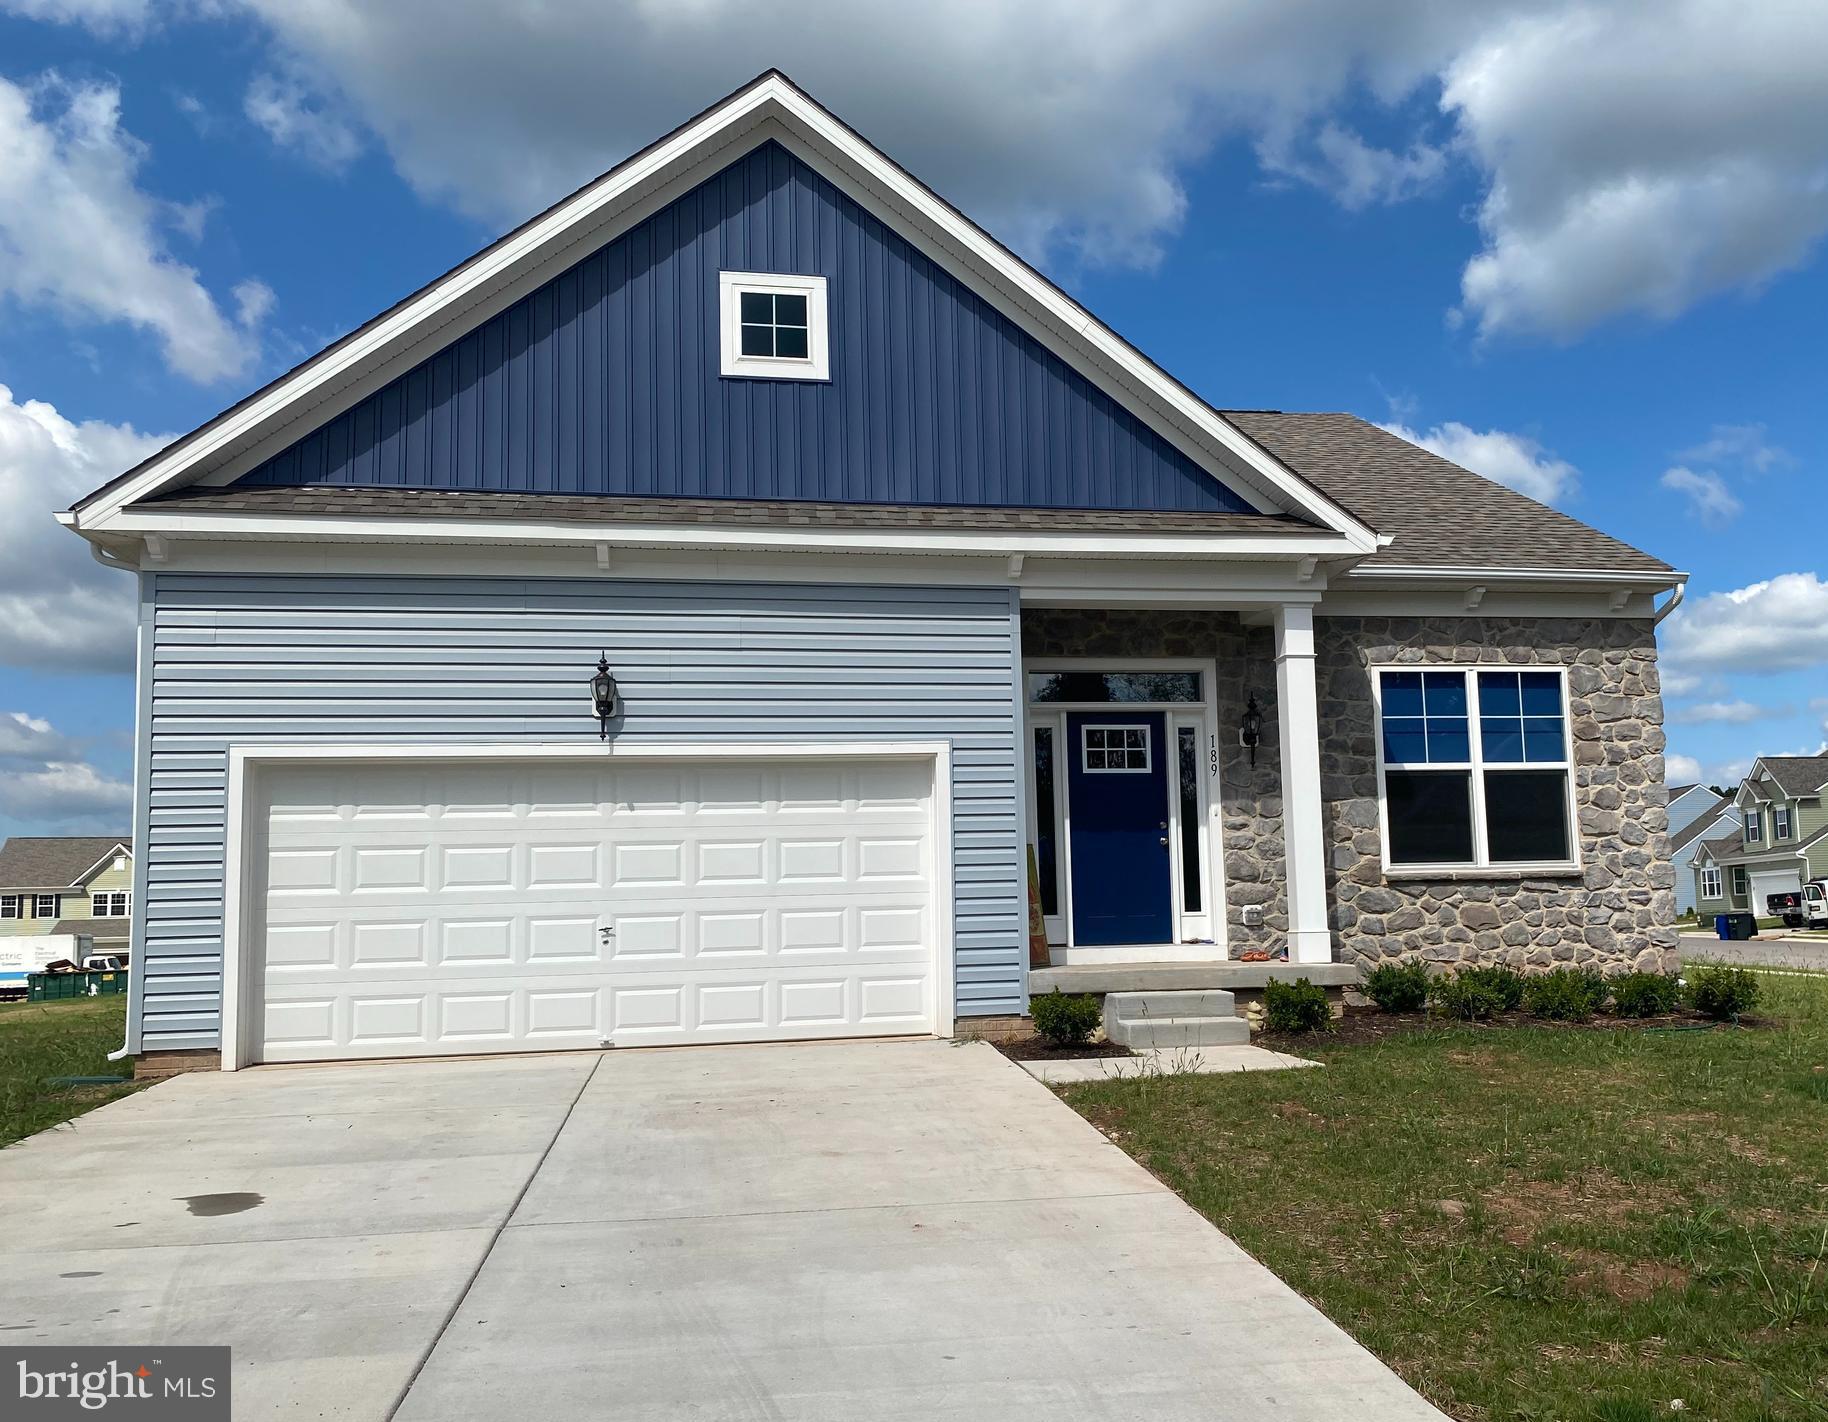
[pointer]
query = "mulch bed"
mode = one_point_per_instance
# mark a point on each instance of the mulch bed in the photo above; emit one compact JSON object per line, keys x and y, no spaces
{"x":1039,"y":1049}
{"x":1372,"y":1024}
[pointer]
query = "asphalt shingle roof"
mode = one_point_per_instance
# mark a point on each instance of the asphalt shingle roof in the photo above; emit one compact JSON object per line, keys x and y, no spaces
{"x":52,"y":863}
{"x":1440,"y":515}
{"x":1697,"y":827}
{"x":1797,"y":774}
{"x":106,"y":929}
{"x":342,"y":500}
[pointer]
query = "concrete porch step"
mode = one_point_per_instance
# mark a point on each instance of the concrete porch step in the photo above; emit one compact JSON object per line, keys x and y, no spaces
{"x":1212,"y":1002}
{"x":1141,"y":1033}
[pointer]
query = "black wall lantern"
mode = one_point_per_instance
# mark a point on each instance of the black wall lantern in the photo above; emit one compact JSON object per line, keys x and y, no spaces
{"x":603,"y":699}
{"x":1250,"y":729}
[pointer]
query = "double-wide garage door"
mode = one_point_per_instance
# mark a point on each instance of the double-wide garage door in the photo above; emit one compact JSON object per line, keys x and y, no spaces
{"x":410,"y":908}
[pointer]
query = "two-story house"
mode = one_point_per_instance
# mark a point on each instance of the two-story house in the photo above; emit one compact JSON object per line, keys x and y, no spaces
{"x":1779,"y":843}
{"x":69,"y":884}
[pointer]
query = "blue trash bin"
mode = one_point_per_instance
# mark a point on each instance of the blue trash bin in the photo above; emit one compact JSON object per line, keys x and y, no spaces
{"x":1723,"y":926}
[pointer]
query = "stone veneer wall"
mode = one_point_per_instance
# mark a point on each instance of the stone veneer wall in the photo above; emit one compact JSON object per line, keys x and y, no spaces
{"x":1618,"y":912}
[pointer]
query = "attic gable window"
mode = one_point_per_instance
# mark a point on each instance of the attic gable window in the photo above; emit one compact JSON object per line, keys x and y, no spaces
{"x":774,"y":326}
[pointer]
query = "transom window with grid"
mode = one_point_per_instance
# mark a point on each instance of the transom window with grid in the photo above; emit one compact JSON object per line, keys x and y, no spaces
{"x":1475,"y":767}
{"x":1120,"y":748}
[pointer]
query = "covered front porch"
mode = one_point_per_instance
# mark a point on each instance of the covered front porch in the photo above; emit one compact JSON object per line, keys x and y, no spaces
{"x":1174,"y":801}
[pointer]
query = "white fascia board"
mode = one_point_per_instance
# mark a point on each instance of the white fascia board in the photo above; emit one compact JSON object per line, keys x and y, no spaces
{"x":1392,"y":573}
{"x":153,"y":522}
{"x":465,"y":297}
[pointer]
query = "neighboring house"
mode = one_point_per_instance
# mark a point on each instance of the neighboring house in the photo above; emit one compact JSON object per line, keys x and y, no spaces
{"x":68,"y":884}
{"x":1778,"y":842}
{"x":896,"y":561}
{"x":1715,"y":816}
{"x":1688,"y":803}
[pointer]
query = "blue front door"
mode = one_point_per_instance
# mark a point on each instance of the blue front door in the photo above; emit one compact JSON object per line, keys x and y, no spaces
{"x":1117,"y":789}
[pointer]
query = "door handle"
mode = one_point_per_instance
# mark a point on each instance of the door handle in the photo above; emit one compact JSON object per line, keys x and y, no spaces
{"x":1164,"y":839}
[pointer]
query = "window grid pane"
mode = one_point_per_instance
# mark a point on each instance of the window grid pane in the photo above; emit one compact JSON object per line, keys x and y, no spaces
{"x":1427,"y":721}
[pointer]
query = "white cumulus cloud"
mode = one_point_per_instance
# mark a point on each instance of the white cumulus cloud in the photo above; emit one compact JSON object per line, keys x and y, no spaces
{"x":296,"y":119}
{"x":1516,"y":461}
{"x":80,"y":237}
{"x":1728,"y":713}
{"x":1640,"y":156}
{"x":1708,"y":497}
{"x":1777,"y":625}
{"x":1681,"y":770}
{"x":61,"y":796}
{"x":59,"y":608}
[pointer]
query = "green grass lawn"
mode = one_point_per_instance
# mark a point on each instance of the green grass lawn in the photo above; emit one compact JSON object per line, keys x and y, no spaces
{"x":1536,"y":1222}
{"x":40,"y":1040}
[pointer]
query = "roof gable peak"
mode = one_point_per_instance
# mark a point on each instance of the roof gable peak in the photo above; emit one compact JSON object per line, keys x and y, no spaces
{"x":770,"y":106}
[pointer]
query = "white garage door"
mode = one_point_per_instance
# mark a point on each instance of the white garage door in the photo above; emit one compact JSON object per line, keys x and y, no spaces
{"x":411,"y":908}
{"x":1772,"y":881}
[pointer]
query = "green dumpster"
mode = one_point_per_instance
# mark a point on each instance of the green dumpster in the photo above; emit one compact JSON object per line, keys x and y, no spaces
{"x":54,"y":987}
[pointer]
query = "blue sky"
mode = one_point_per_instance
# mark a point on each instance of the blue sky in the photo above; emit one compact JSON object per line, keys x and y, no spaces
{"x":1527,"y":236}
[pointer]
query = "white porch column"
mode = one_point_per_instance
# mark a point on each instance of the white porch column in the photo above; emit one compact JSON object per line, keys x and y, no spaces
{"x":1303,"y":833}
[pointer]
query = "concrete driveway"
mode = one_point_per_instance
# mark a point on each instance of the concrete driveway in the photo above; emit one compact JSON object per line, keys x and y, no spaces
{"x":898,"y":1229}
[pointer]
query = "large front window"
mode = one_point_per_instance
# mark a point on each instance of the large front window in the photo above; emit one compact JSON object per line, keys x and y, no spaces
{"x":1475,"y":767}
{"x":1710,"y":883}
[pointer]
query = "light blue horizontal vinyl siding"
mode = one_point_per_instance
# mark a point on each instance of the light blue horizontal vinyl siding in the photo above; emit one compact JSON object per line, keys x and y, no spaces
{"x":246,"y":660}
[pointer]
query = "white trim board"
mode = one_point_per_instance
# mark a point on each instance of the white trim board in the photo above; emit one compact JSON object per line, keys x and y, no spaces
{"x":245,"y":762}
{"x":452,"y":306}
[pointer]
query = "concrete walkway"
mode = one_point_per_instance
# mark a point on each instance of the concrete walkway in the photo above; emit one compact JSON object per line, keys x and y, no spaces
{"x":1165,"y":1061}
{"x":837,"y":1231}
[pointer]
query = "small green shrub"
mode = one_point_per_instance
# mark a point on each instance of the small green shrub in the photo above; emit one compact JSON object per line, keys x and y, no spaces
{"x":1645,"y":994}
{"x":1300,"y":1006}
{"x":1565,"y":994}
{"x":1474,"y":994}
{"x":1505,"y":984}
{"x":1722,"y":992}
{"x":1065,"y":1020}
{"x":1398,"y":987}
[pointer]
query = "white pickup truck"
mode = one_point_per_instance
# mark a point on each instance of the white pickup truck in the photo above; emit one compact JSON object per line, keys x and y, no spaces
{"x":23,"y":954}
{"x":1815,"y":905}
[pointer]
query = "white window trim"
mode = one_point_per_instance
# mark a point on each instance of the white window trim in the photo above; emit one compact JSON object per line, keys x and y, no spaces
{"x":11,"y":906}
{"x":101,"y":905}
{"x":817,"y":363}
{"x":1146,"y":768}
{"x":1752,"y":824}
{"x":1780,"y":822}
{"x":1478,"y":765}
{"x":1711,"y":876}
{"x":56,"y":901}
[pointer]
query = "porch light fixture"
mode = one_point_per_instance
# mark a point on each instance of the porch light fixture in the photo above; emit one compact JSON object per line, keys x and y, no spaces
{"x":603,"y":700}
{"x":1250,"y":729}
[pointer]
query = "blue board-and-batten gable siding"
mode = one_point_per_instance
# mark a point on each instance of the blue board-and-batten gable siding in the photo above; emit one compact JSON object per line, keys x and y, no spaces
{"x":267,"y":659}
{"x":606,"y":381}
